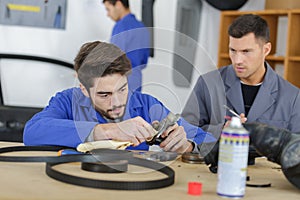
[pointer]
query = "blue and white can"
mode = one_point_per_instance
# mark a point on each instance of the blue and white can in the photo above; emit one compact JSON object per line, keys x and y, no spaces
{"x":233,"y":160}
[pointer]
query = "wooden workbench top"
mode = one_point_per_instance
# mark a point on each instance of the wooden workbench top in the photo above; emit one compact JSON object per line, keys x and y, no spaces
{"x":29,"y":181}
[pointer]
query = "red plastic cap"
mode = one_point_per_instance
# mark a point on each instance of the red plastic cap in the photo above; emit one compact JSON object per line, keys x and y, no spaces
{"x":194,"y":188}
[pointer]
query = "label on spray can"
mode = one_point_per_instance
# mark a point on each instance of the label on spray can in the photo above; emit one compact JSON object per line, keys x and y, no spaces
{"x":233,"y":160}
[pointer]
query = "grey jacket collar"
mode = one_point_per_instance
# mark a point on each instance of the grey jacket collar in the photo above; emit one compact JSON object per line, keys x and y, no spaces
{"x":263,"y":100}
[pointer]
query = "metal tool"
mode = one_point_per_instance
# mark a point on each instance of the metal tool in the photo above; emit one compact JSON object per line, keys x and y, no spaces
{"x":230,"y":110}
{"x":170,"y":120}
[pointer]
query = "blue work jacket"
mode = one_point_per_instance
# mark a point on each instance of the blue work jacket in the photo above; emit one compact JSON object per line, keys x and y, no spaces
{"x":70,"y":118}
{"x":133,"y":38}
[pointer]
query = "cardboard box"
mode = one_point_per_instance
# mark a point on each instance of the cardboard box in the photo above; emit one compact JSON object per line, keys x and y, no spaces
{"x":282,"y":4}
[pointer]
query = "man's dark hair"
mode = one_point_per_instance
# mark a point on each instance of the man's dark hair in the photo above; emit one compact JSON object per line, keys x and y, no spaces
{"x":113,"y":2}
{"x":250,"y":23}
{"x":98,"y":59}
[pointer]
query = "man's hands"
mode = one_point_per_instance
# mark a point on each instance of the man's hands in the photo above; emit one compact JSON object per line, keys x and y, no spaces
{"x":176,"y":140}
{"x":242,"y":117}
{"x":135,"y":130}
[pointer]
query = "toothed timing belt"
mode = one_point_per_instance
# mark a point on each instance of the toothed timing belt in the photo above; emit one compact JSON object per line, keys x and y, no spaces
{"x":99,"y":155}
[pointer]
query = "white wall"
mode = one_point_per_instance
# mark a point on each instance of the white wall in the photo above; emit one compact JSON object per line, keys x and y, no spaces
{"x":87,"y":21}
{"x":158,"y":75}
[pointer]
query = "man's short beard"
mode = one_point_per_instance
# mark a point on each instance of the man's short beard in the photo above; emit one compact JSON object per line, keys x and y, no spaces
{"x":106,"y":115}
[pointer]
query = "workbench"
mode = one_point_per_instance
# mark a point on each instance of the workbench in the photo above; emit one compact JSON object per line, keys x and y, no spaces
{"x":29,"y":181}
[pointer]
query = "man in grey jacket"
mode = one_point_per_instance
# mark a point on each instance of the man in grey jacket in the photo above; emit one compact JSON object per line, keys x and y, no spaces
{"x":249,"y":86}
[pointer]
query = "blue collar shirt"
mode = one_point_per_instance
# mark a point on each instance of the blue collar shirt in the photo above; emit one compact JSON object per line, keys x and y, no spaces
{"x":70,"y":117}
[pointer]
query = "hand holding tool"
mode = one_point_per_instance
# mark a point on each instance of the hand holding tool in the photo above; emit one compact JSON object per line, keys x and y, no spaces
{"x":170,"y":120}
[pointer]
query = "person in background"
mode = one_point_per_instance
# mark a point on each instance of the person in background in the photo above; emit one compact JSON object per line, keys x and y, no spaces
{"x":249,"y":86}
{"x":131,"y":36}
{"x":103,"y":108}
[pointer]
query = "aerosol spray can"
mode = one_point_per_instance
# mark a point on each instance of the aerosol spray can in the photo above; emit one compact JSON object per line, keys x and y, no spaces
{"x":233,"y":160}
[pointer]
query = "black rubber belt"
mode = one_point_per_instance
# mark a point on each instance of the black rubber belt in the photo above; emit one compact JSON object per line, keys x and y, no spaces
{"x":106,"y":167}
{"x":106,"y":155}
